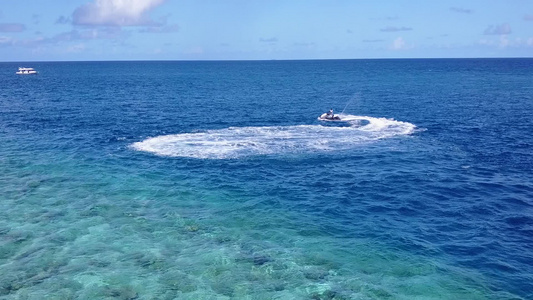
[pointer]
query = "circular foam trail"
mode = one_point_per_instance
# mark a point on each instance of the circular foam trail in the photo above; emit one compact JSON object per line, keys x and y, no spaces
{"x":236,"y":142}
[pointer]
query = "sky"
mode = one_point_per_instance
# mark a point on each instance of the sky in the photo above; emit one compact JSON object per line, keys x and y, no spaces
{"x":96,"y":30}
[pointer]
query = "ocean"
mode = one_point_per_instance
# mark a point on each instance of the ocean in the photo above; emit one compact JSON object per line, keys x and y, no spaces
{"x":216,"y":180}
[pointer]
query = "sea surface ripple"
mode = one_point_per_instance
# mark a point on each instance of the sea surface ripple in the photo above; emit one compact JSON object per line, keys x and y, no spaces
{"x":215,"y":180}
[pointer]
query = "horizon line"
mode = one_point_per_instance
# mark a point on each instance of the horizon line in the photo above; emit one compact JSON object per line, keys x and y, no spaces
{"x":259,"y":60}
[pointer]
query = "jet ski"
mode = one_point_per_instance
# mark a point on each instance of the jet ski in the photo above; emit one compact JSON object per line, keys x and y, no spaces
{"x":329,"y":117}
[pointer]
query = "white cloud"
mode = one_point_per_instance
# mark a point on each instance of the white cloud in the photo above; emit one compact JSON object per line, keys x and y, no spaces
{"x":12,"y":27}
{"x":5,"y":40}
{"x":195,"y":50}
{"x":304,"y":44}
{"x":486,"y":42}
{"x":161,"y":29}
{"x":461,"y":10}
{"x":504,"y":42}
{"x":90,"y":34}
{"x":395,"y":29}
{"x":373,"y":41}
{"x":399,"y":44}
{"x":76,"y":48}
{"x":269,"y":40}
{"x":115,"y":13}
{"x":498,"y":29}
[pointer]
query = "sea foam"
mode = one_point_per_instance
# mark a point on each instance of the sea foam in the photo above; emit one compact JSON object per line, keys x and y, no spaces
{"x":237,"y":142}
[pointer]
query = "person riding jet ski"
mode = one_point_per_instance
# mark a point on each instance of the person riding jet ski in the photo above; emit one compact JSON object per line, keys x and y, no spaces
{"x":329,"y":116}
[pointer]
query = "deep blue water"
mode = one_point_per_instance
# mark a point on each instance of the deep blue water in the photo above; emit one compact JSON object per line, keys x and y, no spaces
{"x":215,"y":180}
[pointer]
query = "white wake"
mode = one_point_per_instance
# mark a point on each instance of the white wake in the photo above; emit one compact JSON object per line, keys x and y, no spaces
{"x":235,"y":142}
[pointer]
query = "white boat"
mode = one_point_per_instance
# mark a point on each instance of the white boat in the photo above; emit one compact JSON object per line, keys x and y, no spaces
{"x":26,"y":71}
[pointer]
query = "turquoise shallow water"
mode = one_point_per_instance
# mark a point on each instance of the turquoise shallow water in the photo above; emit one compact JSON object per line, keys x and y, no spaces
{"x":215,"y":180}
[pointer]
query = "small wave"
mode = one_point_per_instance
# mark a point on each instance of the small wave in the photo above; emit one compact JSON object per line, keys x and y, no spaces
{"x":236,"y":142}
